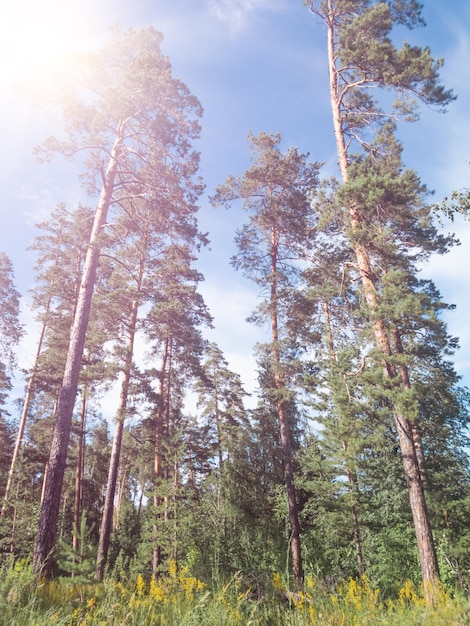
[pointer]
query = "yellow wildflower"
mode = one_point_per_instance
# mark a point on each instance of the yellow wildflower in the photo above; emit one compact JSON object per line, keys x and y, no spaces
{"x":157,"y":591}
{"x":310,"y":581}
{"x":409,"y":595}
{"x":140,"y":586}
{"x":277,"y":582}
{"x":91,"y":603}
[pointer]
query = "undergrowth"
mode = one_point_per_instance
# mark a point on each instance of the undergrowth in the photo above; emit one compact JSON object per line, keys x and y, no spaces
{"x":179,"y":599}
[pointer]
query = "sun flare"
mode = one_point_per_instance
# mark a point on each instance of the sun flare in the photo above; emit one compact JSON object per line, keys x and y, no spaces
{"x":38,"y":41}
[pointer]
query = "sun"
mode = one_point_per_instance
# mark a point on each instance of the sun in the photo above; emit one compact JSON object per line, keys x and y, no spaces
{"x":39,"y":41}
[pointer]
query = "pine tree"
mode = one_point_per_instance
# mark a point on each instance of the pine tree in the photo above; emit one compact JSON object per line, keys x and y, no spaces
{"x":136,"y":116}
{"x":173,"y":328}
{"x":61,"y":248}
{"x":275,"y":190}
{"x":79,"y":562}
{"x":362,"y":56}
{"x":220,"y":396}
{"x":146,"y":273}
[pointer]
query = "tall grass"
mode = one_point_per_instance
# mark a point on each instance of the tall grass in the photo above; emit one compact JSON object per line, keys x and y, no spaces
{"x":180,"y":599}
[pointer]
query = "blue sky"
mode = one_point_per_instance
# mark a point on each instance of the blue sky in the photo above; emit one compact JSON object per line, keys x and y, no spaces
{"x":256,"y":65}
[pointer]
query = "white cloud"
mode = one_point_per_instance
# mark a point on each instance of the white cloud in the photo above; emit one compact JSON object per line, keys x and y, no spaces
{"x":236,"y":13}
{"x":456,"y":122}
{"x":454,"y":128}
{"x":450,"y":274}
{"x":230,"y":304}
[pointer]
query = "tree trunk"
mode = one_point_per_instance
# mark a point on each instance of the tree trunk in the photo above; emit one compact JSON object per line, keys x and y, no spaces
{"x":13,"y":522}
{"x":158,"y":456}
{"x":175,"y":509}
{"x":218,"y":426}
{"x":107,"y":519}
{"x":24,"y":413}
{"x":46,"y":466}
{"x":122,"y":481}
{"x":47,"y":528}
{"x":418,"y":445}
{"x":77,"y":507}
{"x":286,"y":445}
{"x":108,"y":508}
{"x":427,"y":553}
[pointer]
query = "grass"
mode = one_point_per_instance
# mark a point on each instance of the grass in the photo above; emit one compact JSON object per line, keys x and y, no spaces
{"x":180,"y":599}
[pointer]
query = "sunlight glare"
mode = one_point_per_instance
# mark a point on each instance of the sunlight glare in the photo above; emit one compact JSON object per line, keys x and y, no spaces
{"x":38,"y":42}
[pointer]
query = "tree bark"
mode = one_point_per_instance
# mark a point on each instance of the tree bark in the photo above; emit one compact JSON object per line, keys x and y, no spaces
{"x":108,"y":508}
{"x":107,"y":519}
{"x":418,"y":444}
{"x":47,"y":528}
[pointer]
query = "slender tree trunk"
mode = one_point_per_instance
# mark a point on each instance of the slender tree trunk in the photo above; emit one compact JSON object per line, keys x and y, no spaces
{"x":427,"y":554}
{"x":218,"y":426}
{"x":43,"y":488}
{"x":77,"y":507}
{"x":175,"y":509}
{"x":62,"y":518}
{"x":158,"y":456}
{"x":46,"y":466}
{"x":107,"y":519}
{"x":108,"y":508}
{"x":47,"y":528}
{"x":143,"y":489}
{"x":286,"y":444}
{"x":24,"y":413}
{"x":122,"y":481}
{"x":13,"y":523}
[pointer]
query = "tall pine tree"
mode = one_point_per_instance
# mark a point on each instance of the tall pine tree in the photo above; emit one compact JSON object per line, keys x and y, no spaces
{"x":276,"y":192}
{"x":140,"y":122}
